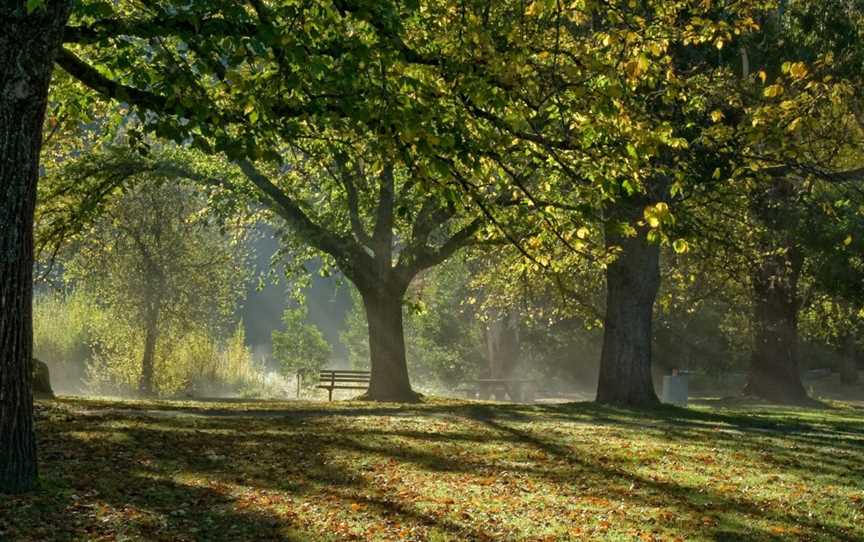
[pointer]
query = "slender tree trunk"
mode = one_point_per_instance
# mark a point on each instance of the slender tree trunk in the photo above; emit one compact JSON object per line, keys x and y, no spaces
{"x":151,"y":334}
{"x":774,"y":373}
{"x":632,"y":281}
{"x":849,"y":368}
{"x":28,"y":44}
{"x":389,"y":379}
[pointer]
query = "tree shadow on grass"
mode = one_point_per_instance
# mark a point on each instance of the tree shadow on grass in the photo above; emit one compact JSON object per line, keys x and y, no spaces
{"x":187,"y":479}
{"x":689,"y":499}
{"x":146,"y":508}
{"x":245,"y":477}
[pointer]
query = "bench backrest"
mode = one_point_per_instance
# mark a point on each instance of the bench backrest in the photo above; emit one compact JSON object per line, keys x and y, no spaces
{"x":337,"y":376}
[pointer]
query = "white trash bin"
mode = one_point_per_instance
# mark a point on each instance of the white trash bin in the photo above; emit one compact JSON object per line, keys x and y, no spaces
{"x":676,"y":388}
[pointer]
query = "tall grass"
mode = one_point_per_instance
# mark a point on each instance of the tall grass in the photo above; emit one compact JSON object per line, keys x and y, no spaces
{"x":91,"y":350}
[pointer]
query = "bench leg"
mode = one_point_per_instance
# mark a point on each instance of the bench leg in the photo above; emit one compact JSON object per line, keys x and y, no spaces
{"x":330,"y":394}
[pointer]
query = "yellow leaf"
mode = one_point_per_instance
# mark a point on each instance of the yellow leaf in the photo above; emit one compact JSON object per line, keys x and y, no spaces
{"x":717,"y":115}
{"x":763,"y":76}
{"x":798,"y":70}
{"x":773,"y":91}
{"x":637,"y":67}
{"x":582,"y":232}
{"x":848,"y":240}
{"x":680,"y":246}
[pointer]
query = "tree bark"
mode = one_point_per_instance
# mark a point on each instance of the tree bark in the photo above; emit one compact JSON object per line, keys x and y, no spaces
{"x":28,"y":44}
{"x":632,"y":282}
{"x":151,"y":334}
{"x":774,"y":373}
{"x":389,"y":379}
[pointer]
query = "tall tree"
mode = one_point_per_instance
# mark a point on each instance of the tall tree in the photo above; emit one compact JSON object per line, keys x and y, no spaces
{"x":154,"y":251}
{"x":30,"y":35}
{"x":609,"y":104}
{"x":802,"y":137}
{"x":366,"y":208}
{"x":249,"y":80}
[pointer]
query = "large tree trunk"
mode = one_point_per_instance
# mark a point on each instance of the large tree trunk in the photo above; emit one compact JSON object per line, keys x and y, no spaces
{"x":774,"y":373}
{"x":632,"y":281}
{"x":389,"y":379}
{"x":28,"y":44}
{"x":151,"y":334}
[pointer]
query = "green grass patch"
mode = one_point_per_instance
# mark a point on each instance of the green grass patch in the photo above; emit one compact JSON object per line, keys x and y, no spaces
{"x":440,"y":471}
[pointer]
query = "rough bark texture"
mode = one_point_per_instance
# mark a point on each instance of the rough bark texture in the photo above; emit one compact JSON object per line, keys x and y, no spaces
{"x":632,"y":281}
{"x":774,"y":374}
{"x":28,"y":44}
{"x":389,"y":379}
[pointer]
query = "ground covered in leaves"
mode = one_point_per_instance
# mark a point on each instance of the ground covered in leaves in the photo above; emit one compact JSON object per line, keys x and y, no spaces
{"x":440,"y":471}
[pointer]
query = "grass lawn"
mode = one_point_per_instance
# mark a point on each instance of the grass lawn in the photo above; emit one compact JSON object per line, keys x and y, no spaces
{"x":444,"y":470}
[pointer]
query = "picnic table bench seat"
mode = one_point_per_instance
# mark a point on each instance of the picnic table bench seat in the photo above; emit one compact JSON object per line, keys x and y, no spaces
{"x":518,"y":390}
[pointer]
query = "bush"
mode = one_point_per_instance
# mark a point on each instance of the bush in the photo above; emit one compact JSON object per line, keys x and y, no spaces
{"x":300,"y":347}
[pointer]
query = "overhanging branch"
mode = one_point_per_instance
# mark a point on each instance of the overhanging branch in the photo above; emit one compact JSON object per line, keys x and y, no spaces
{"x":346,"y":252}
{"x":88,"y":75}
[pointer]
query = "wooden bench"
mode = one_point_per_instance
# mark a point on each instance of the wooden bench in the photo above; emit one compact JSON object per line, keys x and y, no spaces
{"x":339,"y":379}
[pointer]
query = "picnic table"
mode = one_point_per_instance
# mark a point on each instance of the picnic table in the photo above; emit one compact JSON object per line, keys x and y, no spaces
{"x":516,"y":389}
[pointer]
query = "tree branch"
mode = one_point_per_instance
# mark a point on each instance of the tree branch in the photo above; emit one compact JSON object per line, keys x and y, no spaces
{"x":88,"y":75}
{"x":353,"y":199}
{"x":426,"y":258}
{"x":157,"y":27}
{"x":382,"y":236}
{"x":91,"y":78}
{"x":347,"y":253}
{"x":850,"y":175}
